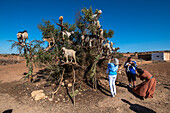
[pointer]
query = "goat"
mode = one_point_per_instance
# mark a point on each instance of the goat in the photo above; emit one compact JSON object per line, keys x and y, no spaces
{"x":101,"y":33}
{"x":51,"y":42}
{"x":106,"y":47}
{"x":96,"y":16}
{"x":66,"y":33}
{"x":82,"y":39}
{"x":69,"y":52}
{"x":22,"y":36}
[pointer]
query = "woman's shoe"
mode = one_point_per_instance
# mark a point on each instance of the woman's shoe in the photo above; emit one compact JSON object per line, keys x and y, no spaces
{"x":112,"y":95}
{"x":130,"y":85}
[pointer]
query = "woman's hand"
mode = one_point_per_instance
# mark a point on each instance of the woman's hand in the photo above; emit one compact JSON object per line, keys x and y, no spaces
{"x":109,"y":60}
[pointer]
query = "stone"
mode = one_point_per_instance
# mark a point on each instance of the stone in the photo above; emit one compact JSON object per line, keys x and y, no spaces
{"x":62,"y":83}
{"x":38,"y":95}
{"x":69,"y":84}
{"x":66,"y":81}
{"x":50,"y":99}
{"x":53,"y":85}
{"x":34,"y":93}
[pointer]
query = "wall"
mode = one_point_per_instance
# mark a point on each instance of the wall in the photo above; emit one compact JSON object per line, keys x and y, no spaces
{"x":158,"y":56}
{"x":145,"y":57}
{"x":166,"y":56}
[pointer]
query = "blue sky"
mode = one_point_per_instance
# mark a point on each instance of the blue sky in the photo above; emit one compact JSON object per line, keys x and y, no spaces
{"x":139,"y":25}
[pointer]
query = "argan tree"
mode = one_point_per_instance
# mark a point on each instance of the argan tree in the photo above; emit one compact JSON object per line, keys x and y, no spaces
{"x":87,"y":57}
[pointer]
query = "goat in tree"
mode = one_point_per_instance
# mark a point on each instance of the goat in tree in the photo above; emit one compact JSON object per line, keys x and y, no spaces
{"x":51,"y":42}
{"x":22,"y":36}
{"x":69,"y":53}
{"x":90,"y":42}
{"x":96,"y":16}
{"x":107,"y":48}
{"x":113,"y":48}
{"x":101,"y":33}
{"x":98,"y":24}
{"x":82,"y":39}
{"x":66,"y":33}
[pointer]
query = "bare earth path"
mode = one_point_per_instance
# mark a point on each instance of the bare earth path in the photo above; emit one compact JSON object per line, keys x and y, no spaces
{"x":124,"y":102}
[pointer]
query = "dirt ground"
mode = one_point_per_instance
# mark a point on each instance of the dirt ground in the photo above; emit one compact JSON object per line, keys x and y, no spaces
{"x":15,"y":94}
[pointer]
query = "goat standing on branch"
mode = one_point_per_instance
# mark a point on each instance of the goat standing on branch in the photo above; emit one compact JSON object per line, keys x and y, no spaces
{"x":22,"y":36}
{"x":113,"y":48}
{"x":66,"y":33}
{"x":96,"y":16}
{"x":82,"y":40}
{"x":61,"y":20}
{"x":107,"y":48}
{"x":69,"y":53}
{"x":51,"y":42}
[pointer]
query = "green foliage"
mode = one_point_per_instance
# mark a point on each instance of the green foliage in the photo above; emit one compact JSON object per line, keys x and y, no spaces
{"x":5,"y":55}
{"x":46,"y":27}
{"x":108,"y":34}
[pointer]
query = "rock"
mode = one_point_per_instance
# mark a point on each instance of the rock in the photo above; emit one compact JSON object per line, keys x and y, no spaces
{"x":66,"y":81}
{"x":69,"y":84}
{"x":158,"y":82}
{"x":53,"y":85}
{"x":50,"y":99}
{"x":34,"y":93}
{"x":58,"y":99}
{"x":104,"y":82}
{"x":38,"y":95}
{"x":62,"y":83}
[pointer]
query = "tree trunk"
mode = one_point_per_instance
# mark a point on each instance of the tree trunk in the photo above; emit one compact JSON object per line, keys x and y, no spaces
{"x":73,"y":86}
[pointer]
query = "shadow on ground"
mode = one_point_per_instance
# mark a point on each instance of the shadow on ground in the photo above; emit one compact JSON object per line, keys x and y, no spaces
{"x":138,"y":108}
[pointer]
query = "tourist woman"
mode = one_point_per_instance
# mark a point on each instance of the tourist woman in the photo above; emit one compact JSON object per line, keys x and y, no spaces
{"x":130,"y":66}
{"x":113,"y":64}
{"x":145,"y":89}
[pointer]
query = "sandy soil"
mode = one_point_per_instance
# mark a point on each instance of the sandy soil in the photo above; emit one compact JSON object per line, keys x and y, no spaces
{"x":15,"y":94}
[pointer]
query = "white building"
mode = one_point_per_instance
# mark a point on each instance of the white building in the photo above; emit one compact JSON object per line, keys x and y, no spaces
{"x":161,"y":56}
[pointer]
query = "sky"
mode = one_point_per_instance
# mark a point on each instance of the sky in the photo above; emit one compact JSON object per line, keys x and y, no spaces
{"x":139,"y":25}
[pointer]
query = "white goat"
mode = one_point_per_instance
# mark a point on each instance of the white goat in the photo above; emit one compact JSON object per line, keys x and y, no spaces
{"x":22,"y":36}
{"x":107,"y":48}
{"x":96,"y":16}
{"x":82,"y":39}
{"x":101,"y":33}
{"x":69,"y":53}
{"x":90,"y":42}
{"x":66,"y":33}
